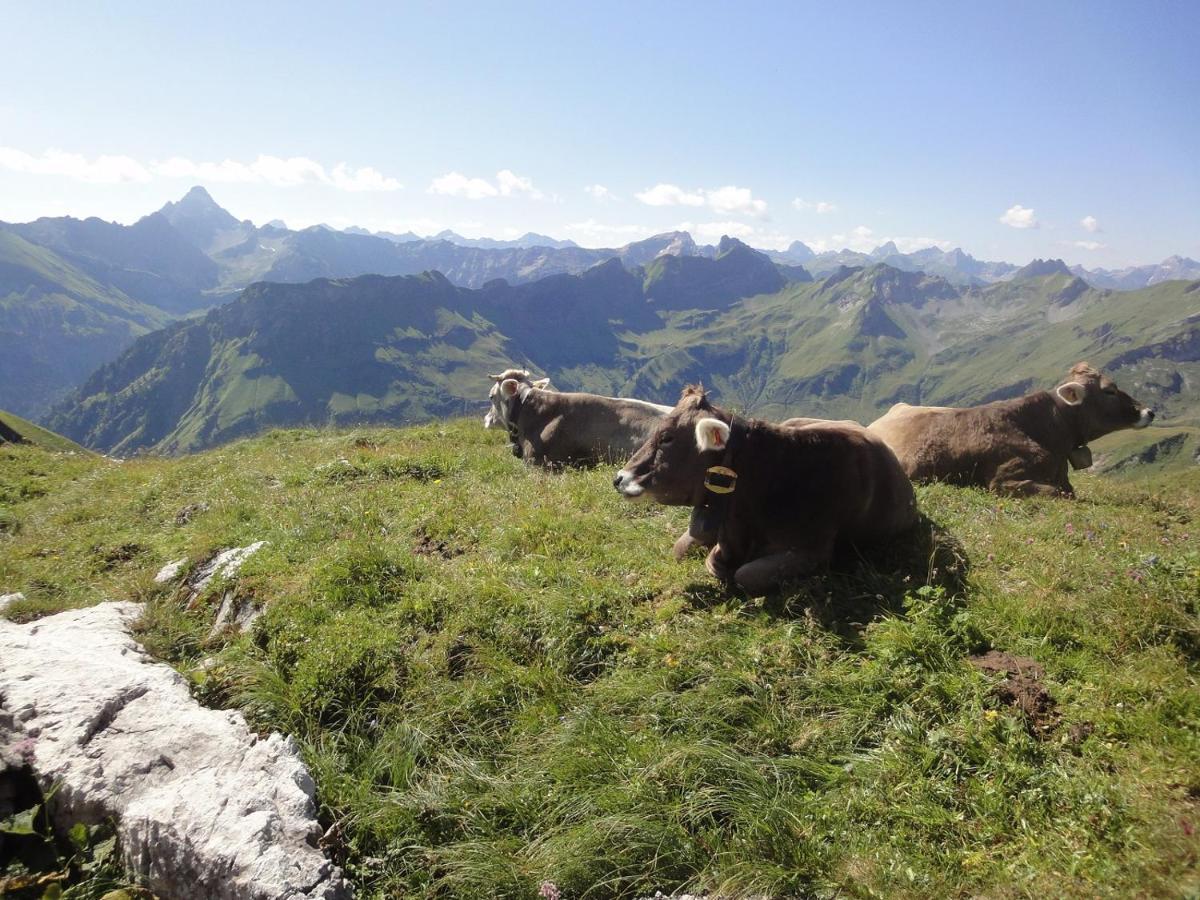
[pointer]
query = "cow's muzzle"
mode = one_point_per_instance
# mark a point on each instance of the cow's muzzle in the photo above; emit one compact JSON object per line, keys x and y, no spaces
{"x":1145,"y":418}
{"x":625,"y":482}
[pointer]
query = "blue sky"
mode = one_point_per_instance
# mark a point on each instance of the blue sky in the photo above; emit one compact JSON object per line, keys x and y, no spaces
{"x":1013,"y":130}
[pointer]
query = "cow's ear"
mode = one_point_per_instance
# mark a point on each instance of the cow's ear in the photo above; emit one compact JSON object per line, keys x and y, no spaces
{"x":509,"y":387}
{"x":1071,"y":393}
{"x":711,"y":434}
{"x":542,"y":383}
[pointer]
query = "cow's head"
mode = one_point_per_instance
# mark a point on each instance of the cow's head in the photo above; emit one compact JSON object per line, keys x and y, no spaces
{"x":496,"y":417}
{"x":1099,"y":405}
{"x":671,"y":465}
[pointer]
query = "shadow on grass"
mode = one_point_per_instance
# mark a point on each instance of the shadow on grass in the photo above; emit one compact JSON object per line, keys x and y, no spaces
{"x":861,"y":584}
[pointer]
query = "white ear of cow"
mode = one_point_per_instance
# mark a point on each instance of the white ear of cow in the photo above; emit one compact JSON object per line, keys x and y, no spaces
{"x":542,"y":383}
{"x":509,"y":387}
{"x":1071,"y":393}
{"x":711,"y":434}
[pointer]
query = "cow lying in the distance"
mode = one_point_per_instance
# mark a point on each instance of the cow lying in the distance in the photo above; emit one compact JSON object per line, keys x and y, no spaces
{"x":799,"y":491}
{"x":551,"y":428}
{"x":494,"y":418}
{"x":1020,"y":446}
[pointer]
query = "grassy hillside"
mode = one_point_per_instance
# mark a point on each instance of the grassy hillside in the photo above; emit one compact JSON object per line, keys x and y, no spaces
{"x":500,"y":679}
{"x":17,"y":430}
{"x":57,"y":324}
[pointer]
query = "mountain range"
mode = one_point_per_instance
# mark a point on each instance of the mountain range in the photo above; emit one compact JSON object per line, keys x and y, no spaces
{"x":75,"y":293}
{"x":401,"y":349}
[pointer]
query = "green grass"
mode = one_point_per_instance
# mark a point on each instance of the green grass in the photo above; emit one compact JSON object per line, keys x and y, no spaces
{"x":39,"y":436}
{"x":500,"y":678}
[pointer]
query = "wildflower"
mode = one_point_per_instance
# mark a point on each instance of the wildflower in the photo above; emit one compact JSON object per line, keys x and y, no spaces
{"x":991,"y":715}
{"x":1070,"y":528}
{"x":549,"y":891}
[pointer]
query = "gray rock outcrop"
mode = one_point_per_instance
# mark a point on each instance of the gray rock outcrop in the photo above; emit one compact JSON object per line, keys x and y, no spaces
{"x":203,"y":807}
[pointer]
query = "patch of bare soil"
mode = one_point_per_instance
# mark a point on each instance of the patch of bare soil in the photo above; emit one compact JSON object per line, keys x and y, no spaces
{"x":427,"y":546}
{"x":1022,"y":689}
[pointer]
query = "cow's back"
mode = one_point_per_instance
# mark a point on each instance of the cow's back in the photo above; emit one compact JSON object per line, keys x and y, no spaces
{"x":586,"y":428}
{"x":940,"y":443}
{"x":838,"y":472}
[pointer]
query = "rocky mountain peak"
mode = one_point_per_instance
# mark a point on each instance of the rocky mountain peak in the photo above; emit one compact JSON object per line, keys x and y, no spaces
{"x":198,"y":217}
{"x":1040,"y":268}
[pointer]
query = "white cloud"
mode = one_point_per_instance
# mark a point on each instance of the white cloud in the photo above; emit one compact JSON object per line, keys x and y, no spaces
{"x":264,"y":170}
{"x":727,"y":199}
{"x":669,"y":195}
{"x":730,"y":199}
{"x":1090,"y":223}
{"x":364,"y":179}
{"x":101,"y":170}
{"x":819,"y":206}
{"x":600,"y":193}
{"x":508,"y":184}
{"x":514,"y":185}
{"x":1088,"y":245}
{"x":454,"y":184}
{"x":1019,"y":217}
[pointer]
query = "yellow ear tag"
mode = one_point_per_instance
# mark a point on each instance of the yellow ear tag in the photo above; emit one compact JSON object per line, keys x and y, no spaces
{"x":720,"y":480}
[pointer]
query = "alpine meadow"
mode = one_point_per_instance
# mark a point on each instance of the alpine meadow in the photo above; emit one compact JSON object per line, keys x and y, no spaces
{"x":540,"y":452}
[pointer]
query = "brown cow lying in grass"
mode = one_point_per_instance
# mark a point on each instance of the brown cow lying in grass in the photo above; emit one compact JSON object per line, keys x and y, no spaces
{"x":798,"y":491}
{"x":551,"y":428}
{"x":1020,"y":446}
{"x":494,"y":418}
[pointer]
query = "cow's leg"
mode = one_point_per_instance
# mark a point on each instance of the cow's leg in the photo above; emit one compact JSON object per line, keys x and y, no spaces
{"x":1017,"y":478}
{"x":1029,"y":488}
{"x":766,"y":574}
{"x":685,"y":544}
{"x":717,"y":566}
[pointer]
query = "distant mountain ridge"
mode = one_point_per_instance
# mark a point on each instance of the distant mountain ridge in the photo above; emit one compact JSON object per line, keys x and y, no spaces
{"x":193,"y":255}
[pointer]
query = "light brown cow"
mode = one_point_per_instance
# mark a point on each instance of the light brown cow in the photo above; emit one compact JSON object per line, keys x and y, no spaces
{"x":551,"y":428}
{"x":797,"y":492}
{"x":495,"y":416}
{"x":1020,"y":446}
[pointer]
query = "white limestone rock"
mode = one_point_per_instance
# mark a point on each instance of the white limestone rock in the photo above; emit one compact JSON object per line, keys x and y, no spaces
{"x":170,"y":571}
{"x":203,"y":807}
{"x":7,"y":600}
{"x":224,"y":565}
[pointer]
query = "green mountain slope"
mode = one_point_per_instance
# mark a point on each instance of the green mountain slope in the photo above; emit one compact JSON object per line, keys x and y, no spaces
{"x":380,"y":349}
{"x":57,"y":324}
{"x":15,"y":430}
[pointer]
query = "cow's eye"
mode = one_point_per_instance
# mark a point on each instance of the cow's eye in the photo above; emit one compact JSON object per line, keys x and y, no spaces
{"x":667,"y":438}
{"x":1110,"y":390}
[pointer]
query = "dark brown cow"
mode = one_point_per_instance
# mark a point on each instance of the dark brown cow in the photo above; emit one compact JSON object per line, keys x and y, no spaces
{"x":551,"y":428}
{"x":1020,"y":446}
{"x":798,"y":491}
